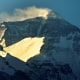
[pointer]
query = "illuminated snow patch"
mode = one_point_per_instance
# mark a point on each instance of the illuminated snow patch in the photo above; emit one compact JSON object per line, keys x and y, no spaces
{"x":25,"y":48}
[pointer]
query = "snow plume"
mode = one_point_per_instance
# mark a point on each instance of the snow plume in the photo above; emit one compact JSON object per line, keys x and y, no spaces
{"x":23,"y":14}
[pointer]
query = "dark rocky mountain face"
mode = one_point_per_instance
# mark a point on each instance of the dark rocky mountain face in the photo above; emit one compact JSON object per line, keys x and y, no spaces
{"x":59,"y":57}
{"x":16,"y":31}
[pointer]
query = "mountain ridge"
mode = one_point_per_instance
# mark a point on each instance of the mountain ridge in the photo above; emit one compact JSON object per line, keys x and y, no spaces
{"x":59,"y":55}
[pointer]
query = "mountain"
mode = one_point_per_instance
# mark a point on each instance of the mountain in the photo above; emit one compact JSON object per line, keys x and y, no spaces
{"x":52,"y":46}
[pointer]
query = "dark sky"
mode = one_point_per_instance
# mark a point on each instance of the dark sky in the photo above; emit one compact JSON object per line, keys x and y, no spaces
{"x":69,"y":9}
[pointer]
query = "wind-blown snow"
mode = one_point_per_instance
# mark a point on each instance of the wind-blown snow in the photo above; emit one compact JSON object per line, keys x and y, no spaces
{"x":26,"y":48}
{"x":23,"y":14}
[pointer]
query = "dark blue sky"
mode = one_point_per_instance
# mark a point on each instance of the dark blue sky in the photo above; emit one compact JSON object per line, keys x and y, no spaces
{"x":69,"y":9}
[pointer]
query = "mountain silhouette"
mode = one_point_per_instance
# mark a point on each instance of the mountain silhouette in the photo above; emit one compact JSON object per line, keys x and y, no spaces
{"x":58,"y":58}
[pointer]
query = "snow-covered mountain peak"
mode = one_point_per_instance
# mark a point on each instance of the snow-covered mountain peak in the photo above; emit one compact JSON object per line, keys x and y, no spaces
{"x":57,"y":42}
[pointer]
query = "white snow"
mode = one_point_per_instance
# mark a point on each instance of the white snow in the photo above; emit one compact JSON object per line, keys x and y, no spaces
{"x":26,"y":48}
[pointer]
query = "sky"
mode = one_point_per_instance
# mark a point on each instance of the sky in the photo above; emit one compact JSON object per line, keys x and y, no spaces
{"x":68,"y":9}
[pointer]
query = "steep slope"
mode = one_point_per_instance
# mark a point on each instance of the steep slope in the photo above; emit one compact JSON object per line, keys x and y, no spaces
{"x":26,"y":48}
{"x":2,"y":32}
{"x":59,"y":56}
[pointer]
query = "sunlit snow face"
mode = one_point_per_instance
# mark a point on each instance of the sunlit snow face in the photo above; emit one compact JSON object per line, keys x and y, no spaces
{"x":26,"y":48}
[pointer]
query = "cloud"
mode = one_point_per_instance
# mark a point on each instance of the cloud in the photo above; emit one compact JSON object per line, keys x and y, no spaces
{"x":23,"y":14}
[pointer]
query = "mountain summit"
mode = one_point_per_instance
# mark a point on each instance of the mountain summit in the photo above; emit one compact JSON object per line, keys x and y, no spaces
{"x":56,"y":43}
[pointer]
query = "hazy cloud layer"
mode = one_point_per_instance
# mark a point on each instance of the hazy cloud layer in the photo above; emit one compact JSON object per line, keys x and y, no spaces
{"x":22,"y":14}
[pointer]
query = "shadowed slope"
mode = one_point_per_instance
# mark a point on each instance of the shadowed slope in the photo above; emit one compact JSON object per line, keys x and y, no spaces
{"x":59,"y":57}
